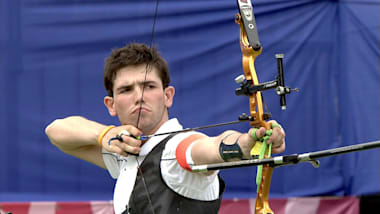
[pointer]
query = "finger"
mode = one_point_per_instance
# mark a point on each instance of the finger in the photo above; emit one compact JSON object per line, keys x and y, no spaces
{"x":118,"y":150}
{"x":277,"y":137}
{"x":128,"y":143}
{"x":113,"y":147}
{"x":123,"y":148}
{"x":130,"y":140}
{"x":274,"y":124}
{"x":122,"y":133}
{"x":260,"y":132}
{"x":119,"y":132}
{"x":130,"y":149}
{"x":254,"y":134}
{"x":133,"y":131}
{"x":278,"y":133}
{"x":279,"y":149}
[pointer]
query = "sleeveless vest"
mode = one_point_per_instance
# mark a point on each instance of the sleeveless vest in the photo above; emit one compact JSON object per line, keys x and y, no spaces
{"x":164,"y":200}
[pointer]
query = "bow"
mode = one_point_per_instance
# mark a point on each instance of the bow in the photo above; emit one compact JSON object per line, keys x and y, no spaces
{"x":251,"y":49}
{"x":250,"y":86}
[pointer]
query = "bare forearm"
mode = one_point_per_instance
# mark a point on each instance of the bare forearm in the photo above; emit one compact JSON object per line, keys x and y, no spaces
{"x":73,"y":132}
{"x":78,"y":137}
{"x":206,"y":150}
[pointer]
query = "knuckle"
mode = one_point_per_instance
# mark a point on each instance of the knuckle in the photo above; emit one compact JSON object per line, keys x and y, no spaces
{"x":137,"y":143}
{"x":124,"y":139}
{"x":118,"y":151}
{"x":132,"y":130}
{"x":125,"y":147}
{"x":135,"y":150}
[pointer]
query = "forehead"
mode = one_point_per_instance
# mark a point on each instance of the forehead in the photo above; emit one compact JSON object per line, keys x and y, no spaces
{"x":132,"y":74}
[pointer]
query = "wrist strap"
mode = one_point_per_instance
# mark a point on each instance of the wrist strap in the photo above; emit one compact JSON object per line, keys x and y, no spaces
{"x":228,"y":152}
{"x":104,"y":132}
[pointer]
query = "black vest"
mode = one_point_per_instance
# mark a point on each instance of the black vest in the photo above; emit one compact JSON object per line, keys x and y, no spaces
{"x":164,"y":200}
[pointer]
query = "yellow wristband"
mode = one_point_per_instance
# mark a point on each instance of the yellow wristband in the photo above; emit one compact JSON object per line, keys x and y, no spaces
{"x":104,"y":132}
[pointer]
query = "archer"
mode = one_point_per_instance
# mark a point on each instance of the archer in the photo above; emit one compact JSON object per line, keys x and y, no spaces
{"x":153,"y":175}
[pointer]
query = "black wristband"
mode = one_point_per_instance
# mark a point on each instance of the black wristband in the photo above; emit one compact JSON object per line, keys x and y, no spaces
{"x":228,"y":152}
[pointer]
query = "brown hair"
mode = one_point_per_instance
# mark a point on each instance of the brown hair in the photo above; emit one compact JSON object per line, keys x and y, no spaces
{"x":132,"y":55}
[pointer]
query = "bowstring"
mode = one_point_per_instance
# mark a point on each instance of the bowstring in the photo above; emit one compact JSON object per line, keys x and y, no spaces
{"x":148,"y":66}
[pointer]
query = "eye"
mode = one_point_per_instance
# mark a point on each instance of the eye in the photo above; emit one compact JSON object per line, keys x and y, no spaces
{"x":125,"y":90}
{"x":150,"y":86}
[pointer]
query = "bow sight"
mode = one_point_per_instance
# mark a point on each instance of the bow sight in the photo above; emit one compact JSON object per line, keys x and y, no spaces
{"x":247,"y":88}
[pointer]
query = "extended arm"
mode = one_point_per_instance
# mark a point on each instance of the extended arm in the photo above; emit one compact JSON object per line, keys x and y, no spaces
{"x":206,"y":150}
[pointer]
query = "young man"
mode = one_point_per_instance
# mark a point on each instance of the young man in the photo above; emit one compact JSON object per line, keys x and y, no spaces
{"x":154,"y":175}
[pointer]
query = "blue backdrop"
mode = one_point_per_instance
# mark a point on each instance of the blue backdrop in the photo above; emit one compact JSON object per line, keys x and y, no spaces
{"x":51,"y":65}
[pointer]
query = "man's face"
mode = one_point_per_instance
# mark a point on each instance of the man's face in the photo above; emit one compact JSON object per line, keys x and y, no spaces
{"x":128,"y":100}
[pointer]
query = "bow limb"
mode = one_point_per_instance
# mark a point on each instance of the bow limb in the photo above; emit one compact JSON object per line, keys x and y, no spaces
{"x":249,"y":56}
{"x":257,"y":113}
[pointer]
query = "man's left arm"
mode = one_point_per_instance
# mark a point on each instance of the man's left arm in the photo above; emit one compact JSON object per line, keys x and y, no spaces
{"x":206,"y":150}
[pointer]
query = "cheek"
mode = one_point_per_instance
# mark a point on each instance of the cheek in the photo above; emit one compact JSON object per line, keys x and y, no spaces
{"x":163,"y":100}
{"x":153,"y":97}
{"x":121,"y":103}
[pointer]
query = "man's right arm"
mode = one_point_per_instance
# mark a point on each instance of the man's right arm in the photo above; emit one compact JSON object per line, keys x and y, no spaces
{"x":78,"y":137}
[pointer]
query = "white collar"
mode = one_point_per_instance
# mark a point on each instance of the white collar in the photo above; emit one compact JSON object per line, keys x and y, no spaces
{"x":168,"y":126}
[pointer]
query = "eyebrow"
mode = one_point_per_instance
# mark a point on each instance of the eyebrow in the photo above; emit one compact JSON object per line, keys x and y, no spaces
{"x":147,"y":82}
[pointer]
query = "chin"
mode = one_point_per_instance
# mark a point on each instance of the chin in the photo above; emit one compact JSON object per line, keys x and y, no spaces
{"x":130,"y":121}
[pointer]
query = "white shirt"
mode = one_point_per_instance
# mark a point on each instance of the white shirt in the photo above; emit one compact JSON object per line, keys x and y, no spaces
{"x":183,"y":182}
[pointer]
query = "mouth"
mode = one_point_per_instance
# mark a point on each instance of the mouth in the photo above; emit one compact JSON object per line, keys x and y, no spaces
{"x":138,"y":109}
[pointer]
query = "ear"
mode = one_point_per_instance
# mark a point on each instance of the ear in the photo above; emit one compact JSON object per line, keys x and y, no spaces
{"x":110,"y":104}
{"x":169,"y":94}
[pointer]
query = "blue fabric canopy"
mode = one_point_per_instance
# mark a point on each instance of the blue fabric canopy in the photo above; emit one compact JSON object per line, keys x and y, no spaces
{"x":51,"y":66}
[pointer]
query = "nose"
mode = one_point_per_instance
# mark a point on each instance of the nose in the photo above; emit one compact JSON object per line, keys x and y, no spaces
{"x":139,"y":95}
